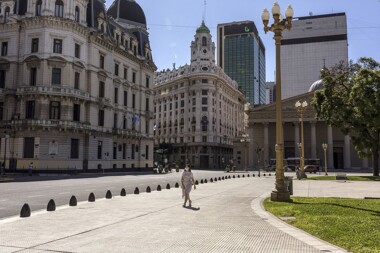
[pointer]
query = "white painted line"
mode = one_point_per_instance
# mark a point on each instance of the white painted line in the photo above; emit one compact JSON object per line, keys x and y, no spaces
{"x":35,"y":196}
{"x":63,"y":193}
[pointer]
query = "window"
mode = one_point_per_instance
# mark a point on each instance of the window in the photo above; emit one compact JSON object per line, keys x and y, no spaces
{"x":101,"y":61}
{"x":33,"y":77}
{"x":204,"y":81}
{"x":133,"y":151}
{"x":114,"y":151}
{"x":55,"y":110}
{"x":74,"y":152}
{"x":57,"y":47}
{"x":125,"y":73}
{"x":101,"y":89}
{"x":124,"y":122}
{"x":34,"y":48}
{"x":29,"y":109}
{"x":147,"y":104}
{"x":125,"y":98}
{"x":116,"y":93}
{"x":146,"y":152}
{"x":6,"y":13}
{"x":56,"y":76}
{"x":2,"y":78}
{"x":1,"y":110}
{"x":58,"y":8}
{"x":115,"y":120}
{"x":182,"y":103}
{"x":101,"y":118}
{"x":100,"y":149}
{"x":77,"y":50}
{"x":116,"y":69}
{"x":4,"y":48}
{"x":124,"y":150}
{"x":134,"y":77}
{"x":76,"y":112}
{"x":204,"y":92}
{"x":38,"y":7}
{"x":77,"y":16}
{"x":147,"y":79}
{"x":133,"y":101}
{"x":29,"y":147}
{"x":76,"y":80}
{"x":204,"y":101}
{"x":204,"y":41}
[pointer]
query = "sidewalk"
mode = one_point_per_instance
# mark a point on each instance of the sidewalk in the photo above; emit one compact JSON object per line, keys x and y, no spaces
{"x":226,"y":216}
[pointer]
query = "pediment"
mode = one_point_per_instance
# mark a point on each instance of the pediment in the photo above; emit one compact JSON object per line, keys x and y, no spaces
{"x":102,"y":75}
{"x":79,"y":65}
{"x":4,"y":64}
{"x":56,"y":61}
{"x":32,"y":58}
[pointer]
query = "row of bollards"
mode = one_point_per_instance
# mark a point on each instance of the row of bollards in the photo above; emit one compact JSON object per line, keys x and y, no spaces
{"x":25,"y":210}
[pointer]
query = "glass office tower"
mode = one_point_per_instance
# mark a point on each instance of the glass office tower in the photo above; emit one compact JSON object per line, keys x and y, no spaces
{"x":241,"y":54}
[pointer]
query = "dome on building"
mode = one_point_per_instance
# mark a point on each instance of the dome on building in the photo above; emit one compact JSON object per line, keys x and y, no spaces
{"x":317,"y":85}
{"x":127,"y":10}
{"x":203,"y":28}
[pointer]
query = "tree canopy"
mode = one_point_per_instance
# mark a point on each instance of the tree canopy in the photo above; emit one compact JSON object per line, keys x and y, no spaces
{"x":350,"y":101}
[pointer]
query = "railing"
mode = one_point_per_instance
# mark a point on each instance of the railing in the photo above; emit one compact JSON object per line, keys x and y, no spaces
{"x":54,"y":91}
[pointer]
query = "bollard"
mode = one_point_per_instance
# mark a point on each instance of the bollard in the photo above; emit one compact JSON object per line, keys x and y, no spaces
{"x":50,"y":206}
{"x":215,"y":179}
{"x":253,"y":175}
{"x":264,"y":174}
{"x":219,"y":178}
{"x":168,"y":186}
{"x":73,"y":201}
{"x":25,"y":211}
{"x":148,"y":190}
{"x":270,"y":174}
{"x":196,"y":182}
{"x":211,"y":180}
{"x":91,"y":197}
{"x":243,"y":175}
{"x":176,"y":185}
{"x":233,"y":176}
{"x":238,"y":176}
{"x":201,"y":181}
{"x":205,"y":181}
{"x":248,"y":175}
{"x":123,"y":193}
{"x":108,"y":195}
{"x":159,"y":188}
{"x":137,"y":191}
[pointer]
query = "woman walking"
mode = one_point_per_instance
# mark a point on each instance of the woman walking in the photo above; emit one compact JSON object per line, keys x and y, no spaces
{"x":187,"y":181}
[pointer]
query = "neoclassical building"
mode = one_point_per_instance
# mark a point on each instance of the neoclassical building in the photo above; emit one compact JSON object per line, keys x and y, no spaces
{"x":76,"y":85}
{"x":199,"y":110}
{"x":262,"y":131}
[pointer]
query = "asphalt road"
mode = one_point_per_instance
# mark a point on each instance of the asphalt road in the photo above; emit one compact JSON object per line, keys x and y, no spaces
{"x":38,"y":190}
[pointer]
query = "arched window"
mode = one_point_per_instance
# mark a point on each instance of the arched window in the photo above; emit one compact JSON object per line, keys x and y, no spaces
{"x":58,"y":8}
{"x":6,"y":13}
{"x":38,"y":7}
{"x":204,"y":41}
{"x":77,"y":17}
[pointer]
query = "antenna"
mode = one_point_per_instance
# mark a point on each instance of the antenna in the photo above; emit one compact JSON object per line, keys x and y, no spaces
{"x":204,"y":10}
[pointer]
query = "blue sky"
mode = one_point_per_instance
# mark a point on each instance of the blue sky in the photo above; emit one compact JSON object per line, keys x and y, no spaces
{"x":172,"y":24}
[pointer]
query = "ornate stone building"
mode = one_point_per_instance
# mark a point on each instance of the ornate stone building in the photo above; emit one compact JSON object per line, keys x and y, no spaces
{"x":76,"y":85}
{"x":262,"y":130}
{"x":199,"y":110}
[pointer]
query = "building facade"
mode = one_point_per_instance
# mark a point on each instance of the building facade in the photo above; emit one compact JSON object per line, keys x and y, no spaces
{"x":313,"y":42}
{"x":76,"y":85}
{"x":199,"y":110}
{"x":241,"y":54}
{"x":340,"y":153}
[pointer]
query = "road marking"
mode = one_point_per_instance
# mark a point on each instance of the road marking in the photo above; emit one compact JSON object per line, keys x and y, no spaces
{"x":35,"y":196}
{"x":3,"y":200}
{"x":63,"y":193}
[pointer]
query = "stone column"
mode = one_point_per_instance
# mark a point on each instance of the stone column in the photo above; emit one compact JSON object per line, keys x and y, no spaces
{"x":296,"y":138}
{"x":347,"y":152}
{"x":313,"y":140}
{"x":266,"y":143}
{"x":330,"y":148}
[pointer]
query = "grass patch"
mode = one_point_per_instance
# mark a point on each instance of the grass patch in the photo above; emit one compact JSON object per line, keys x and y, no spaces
{"x":351,"y":178}
{"x":353,"y":224}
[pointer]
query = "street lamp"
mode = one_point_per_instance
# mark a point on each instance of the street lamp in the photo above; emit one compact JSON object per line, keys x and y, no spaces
{"x":301,"y":108}
{"x":324,"y":146}
{"x":246,"y":140}
{"x":281,"y":193}
{"x":2,"y":172}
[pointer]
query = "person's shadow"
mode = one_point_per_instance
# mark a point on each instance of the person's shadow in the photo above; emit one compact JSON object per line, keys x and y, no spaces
{"x":193,"y":208}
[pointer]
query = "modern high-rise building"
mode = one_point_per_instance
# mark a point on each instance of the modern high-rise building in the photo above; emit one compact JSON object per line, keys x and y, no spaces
{"x":75,"y":85}
{"x":241,"y":54}
{"x":312,"y":43}
{"x":199,"y":110}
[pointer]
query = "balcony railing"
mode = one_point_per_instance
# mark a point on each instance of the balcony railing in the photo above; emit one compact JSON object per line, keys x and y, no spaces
{"x":53,"y":91}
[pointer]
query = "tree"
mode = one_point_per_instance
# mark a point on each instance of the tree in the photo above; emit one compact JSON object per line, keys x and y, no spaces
{"x":350,"y":101}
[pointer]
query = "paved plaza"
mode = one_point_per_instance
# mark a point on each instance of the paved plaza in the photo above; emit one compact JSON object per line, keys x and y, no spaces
{"x":226,"y":216}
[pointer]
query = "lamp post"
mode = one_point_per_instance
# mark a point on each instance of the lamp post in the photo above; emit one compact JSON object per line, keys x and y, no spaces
{"x":281,"y":193}
{"x":324,"y":146}
{"x":5,"y":153}
{"x":246,"y":140}
{"x":301,"y":108}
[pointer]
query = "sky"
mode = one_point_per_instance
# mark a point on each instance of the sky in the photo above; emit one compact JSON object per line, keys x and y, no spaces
{"x":172,"y":25}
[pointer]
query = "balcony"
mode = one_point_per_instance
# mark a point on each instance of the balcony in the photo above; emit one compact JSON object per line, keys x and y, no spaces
{"x":54,"y":91}
{"x":49,"y":123}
